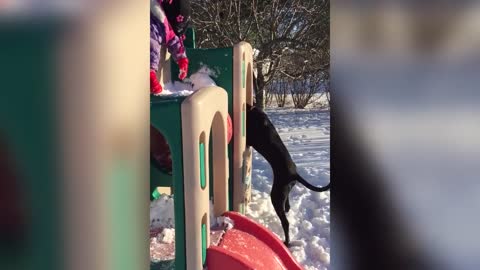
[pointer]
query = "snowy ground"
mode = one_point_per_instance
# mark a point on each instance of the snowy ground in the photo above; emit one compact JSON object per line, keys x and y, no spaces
{"x":306,"y":134}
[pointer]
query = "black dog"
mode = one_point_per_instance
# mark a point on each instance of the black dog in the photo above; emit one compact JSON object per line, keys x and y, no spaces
{"x":263,"y":137}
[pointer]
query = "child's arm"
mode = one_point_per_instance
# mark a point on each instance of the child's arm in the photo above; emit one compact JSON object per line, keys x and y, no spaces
{"x":168,"y":37}
{"x":177,"y":50}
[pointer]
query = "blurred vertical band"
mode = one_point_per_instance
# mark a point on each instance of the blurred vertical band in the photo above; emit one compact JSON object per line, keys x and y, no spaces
{"x":405,"y":129}
{"x":74,"y":114}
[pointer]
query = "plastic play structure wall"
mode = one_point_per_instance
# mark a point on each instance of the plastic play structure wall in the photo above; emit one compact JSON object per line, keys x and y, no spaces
{"x":76,"y":135}
{"x":233,"y":68}
{"x":187,"y":124}
{"x":196,"y":124}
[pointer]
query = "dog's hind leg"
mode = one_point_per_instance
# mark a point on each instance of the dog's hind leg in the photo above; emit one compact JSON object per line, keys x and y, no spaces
{"x":287,"y":205}
{"x":279,"y":196}
{"x":287,"y":202}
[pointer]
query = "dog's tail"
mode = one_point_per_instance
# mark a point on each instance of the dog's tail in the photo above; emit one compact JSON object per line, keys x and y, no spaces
{"x":312,"y":187}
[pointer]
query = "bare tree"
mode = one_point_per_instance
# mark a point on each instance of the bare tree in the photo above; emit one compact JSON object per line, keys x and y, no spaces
{"x":269,"y":95}
{"x":305,"y":90}
{"x":277,"y":29}
{"x":281,"y":91}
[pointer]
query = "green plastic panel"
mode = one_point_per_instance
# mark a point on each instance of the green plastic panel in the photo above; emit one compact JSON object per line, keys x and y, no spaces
{"x":163,"y":265}
{"x":189,"y":41}
{"x":28,"y":128}
{"x":244,"y":79}
{"x":165,"y":115}
{"x":219,"y":60}
{"x":204,"y":243}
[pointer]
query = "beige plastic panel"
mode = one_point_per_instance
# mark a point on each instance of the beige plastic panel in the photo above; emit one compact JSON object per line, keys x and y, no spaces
{"x":164,"y":190}
{"x":104,"y":105}
{"x":243,"y":94}
{"x":207,"y":108}
{"x":164,"y":68}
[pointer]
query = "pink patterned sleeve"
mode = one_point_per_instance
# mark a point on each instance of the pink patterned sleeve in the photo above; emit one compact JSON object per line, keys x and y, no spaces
{"x":174,"y":43}
{"x":176,"y":48}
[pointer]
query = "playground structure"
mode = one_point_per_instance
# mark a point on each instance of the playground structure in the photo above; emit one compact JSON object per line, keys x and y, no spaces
{"x":233,"y":68}
{"x":186,"y":123}
{"x":94,"y":124}
{"x":188,"y":132}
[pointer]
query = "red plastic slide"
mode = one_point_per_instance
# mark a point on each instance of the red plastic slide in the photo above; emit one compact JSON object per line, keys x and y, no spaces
{"x":249,"y":246}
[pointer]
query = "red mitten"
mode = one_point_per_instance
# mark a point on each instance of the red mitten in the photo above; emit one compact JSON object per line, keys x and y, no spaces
{"x":155,"y":87}
{"x":229,"y":129}
{"x":183,"y":66}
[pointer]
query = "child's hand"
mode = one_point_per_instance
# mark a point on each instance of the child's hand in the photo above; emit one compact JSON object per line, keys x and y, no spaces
{"x":155,"y":87}
{"x":183,"y":66}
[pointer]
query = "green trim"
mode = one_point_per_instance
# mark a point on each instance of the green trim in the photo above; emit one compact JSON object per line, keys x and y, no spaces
{"x":243,"y":74}
{"x":165,"y":115}
{"x":123,"y":234}
{"x":156,"y":194}
{"x":203,"y":180}
{"x":204,"y":243}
